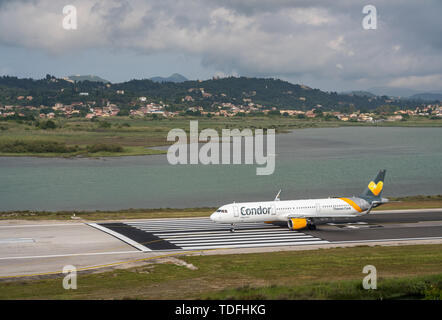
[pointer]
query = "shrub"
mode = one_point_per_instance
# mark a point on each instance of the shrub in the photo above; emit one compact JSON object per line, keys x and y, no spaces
{"x":49,"y":124}
{"x":104,"y":124}
{"x":104,"y":148}
{"x":36,"y":147}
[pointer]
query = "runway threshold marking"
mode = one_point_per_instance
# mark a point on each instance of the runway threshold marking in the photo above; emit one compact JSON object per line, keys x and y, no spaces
{"x":202,"y":233}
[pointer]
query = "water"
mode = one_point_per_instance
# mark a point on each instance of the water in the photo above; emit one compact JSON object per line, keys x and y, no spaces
{"x":310,"y":163}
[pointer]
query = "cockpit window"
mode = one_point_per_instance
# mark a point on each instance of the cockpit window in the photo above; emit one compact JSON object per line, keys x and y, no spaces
{"x":222,"y":211}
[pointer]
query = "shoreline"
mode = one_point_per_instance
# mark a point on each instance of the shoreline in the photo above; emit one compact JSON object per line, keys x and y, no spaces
{"x":147,"y":152}
{"x":400,"y":203}
{"x":140,"y":150}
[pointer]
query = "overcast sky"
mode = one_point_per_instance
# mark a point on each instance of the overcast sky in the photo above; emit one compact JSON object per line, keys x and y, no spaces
{"x":318,"y":43}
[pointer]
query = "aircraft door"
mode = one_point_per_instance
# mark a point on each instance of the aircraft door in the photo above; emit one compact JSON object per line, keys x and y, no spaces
{"x":273,"y":209}
{"x":318,"y":208}
{"x":235,"y":211}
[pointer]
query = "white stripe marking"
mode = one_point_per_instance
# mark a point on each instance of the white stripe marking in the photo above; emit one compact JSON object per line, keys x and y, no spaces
{"x":176,"y":230}
{"x":16,"y":240}
{"x":69,"y":255}
{"x":173,"y":223}
{"x":176,"y":222}
{"x":168,"y":223}
{"x":256,"y":245}
{"x":221,"y":243}
{"x":208,"y":225}
{"x":241,"y":232}
{"x":42,"y":225}
{"x":242,"y":237}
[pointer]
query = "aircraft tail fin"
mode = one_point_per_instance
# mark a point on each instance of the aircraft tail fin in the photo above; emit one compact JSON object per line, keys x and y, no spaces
{"x":373,"y":192}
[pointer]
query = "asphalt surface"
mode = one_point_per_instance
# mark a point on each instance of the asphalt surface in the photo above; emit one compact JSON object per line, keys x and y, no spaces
{"x":40,"y":248}
{"x":202,"y":233}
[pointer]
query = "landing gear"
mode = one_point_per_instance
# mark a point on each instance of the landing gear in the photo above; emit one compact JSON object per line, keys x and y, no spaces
{"x":311,"y":227}
{"x":232,"y":228}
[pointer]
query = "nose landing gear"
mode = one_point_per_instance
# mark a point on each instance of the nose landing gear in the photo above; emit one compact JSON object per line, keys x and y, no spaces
{"x":232,"y":228}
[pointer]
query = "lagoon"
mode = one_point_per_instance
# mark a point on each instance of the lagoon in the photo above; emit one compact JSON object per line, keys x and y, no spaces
{"x":310,"y":163}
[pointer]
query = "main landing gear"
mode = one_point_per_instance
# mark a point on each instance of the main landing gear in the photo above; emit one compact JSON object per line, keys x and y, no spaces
{"x":311,"y":225}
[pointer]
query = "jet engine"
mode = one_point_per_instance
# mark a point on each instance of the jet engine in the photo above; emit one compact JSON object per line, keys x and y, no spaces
{"x":296,"y":223}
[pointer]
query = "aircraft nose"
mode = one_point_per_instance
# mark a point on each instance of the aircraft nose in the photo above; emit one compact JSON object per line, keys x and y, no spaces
{"x":214,"y":217}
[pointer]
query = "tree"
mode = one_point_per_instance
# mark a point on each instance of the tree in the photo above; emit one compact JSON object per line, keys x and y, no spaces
{"x":123,"y":112}
{"x":104,"y":124}
{"x":318,"y":112}
{"x":47,"y":125}
{"x":274,"y":113}
{"x":329,"y":117}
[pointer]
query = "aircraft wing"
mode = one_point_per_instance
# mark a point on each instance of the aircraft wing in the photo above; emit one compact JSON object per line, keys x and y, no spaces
{"x":298,"y":215}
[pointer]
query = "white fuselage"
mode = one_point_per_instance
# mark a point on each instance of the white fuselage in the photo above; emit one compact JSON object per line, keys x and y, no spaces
{"x":284,"y":210}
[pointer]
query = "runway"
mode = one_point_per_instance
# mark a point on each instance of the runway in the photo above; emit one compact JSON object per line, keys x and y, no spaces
{"x":38,"y":248}
{"x":202,"y":233}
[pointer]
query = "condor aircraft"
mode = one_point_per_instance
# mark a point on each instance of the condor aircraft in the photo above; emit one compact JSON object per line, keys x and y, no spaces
{"x":301,"y":214}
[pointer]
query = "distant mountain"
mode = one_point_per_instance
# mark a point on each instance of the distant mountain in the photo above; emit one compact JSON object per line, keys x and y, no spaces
{"x":393,"y":92}
{"x":176,"y":77}
{"x":427,"y":96}
{"x":90,"y":77}
{"x":361,"y":94}
{"x":406,"y":93}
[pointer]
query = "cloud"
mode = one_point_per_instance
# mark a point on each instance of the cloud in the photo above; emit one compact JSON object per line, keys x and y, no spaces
{"x":310,"y":16}
{"x":4,"y":70}
{"x":291,"y":39}
{"x":340,"y":45}
{"x":432,"y":81}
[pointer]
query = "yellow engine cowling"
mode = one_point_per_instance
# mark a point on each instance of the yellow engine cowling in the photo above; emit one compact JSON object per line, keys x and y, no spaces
{"x":297,"y":223}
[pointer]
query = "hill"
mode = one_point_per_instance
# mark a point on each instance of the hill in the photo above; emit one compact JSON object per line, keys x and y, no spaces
{"x":209,"y":94}
{"x":393,"y":92}
{"x":360,"y":93}
{"x":92,"y":78}
{"x":427,"y":96}
{"x":176,"y":77}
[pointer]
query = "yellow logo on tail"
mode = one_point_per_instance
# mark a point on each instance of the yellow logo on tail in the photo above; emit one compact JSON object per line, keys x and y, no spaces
{"x":375,"y":188}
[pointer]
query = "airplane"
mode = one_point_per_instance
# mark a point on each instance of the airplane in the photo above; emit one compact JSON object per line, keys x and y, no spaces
{"x":300,"y":214}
